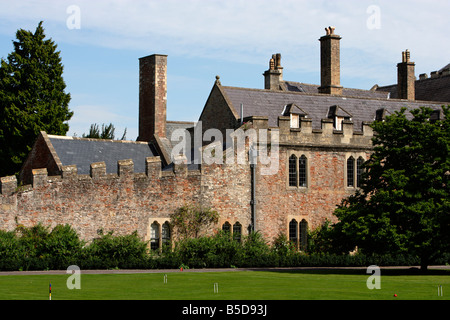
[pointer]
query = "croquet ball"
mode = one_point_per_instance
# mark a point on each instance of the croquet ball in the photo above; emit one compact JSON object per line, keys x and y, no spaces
{"x":395,"y":294}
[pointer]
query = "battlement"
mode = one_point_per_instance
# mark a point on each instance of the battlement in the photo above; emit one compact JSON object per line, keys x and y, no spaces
{"x":327,"y":136}
{"x":125,"y":170}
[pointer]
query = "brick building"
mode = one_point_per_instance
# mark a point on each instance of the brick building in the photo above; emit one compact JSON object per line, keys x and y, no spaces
{"x":322,"y":133}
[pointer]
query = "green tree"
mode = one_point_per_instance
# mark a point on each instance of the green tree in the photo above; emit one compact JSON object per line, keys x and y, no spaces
{"x":403,"y":205}
{"x":108,"y":132}
{"x":189,"y":220}
{"x":32,"y":97}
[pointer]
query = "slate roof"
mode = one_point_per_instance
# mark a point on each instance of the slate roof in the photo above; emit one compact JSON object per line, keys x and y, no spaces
{"x":435,"y":88}
{"x":271,"y":104}
{"x":82,"y":152}
{"x":292,"y":86}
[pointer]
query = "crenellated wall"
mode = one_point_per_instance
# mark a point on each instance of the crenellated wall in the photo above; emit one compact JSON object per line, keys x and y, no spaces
{"x":123,"y":202}
{"x":127,"y":201}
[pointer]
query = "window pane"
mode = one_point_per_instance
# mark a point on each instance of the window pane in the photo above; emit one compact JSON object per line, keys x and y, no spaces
{"x":165,"y":233}
{"x":293,"y":230}
{"x":237,"y":231}
{"x":293,"y":171}
{"x":350,"y":172}
{"x":302,"y":175}
{"x":226,"y":227}
{"x":359,"y":171}
{"x":154,"y":236}
{"x":303,"y":235}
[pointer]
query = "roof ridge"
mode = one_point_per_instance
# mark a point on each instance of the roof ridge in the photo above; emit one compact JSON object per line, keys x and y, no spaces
{"x":94,"y":139}
{"x":335,"y":96}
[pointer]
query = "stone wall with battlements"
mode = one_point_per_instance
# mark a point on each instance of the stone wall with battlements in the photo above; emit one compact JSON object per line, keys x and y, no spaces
{"x":127,"y":201}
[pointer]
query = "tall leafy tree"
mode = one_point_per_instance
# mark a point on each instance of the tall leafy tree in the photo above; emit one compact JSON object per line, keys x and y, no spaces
{"x":403,"y":205}
{"x":32,"y":97}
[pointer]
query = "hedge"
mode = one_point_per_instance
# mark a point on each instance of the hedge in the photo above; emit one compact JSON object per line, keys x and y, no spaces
{"x":38,"y":248}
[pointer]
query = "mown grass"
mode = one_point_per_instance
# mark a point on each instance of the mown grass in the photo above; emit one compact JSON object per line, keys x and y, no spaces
{"x":237,"y":285}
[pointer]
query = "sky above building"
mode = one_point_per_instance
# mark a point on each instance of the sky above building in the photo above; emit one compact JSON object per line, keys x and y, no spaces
{"x":101,"y":41}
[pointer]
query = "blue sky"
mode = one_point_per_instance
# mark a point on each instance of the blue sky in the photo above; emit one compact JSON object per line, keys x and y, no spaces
{"x":230,"y":38}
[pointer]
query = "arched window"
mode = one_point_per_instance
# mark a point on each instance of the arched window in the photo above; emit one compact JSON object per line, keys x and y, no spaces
{"x":351,"y":172}
{"x":293,"y":171}
{"x":302,"y":171}
{"x":165,"y":233}
{"x":293,"y":232}
{"x":237,"y":232}
{"x":154,"y":236}
{"x":303,"y":235}
{"x":226,"y":227}
{"x":359,"y":171}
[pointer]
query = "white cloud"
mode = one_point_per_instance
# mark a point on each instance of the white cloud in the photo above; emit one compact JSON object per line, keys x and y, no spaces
{"x":247,"y":31}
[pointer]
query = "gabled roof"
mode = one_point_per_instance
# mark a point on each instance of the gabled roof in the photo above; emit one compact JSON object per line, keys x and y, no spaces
{"x":82,"y":152}
{"x":271,"y":104}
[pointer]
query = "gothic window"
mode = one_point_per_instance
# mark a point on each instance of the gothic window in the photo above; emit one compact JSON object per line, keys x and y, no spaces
{"x":154,"y":236}
{"x":165,"y":233}
{"x":237,"y":232}
{"x":303,"y":235}
{"x":351,"y":172}
{"x":359,"y":171}
{"x":226,"y":227}
{"x":302,"y":171}
{"x":293,"y":171}
{"x":293,"y":232}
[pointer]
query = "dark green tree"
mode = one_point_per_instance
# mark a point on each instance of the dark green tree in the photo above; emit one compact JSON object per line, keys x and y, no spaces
{"x":108,"y":132}
{"x":32,"y":97}
{"x":403,"y":205}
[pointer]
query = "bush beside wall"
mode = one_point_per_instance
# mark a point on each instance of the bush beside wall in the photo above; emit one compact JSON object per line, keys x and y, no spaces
{"x":38,"y":248}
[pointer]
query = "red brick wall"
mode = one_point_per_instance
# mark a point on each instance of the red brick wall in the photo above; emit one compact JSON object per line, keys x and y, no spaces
{"x":152,"y":96}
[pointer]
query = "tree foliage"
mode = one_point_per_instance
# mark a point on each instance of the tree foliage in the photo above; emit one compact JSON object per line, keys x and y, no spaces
{"x":403,"y":205}
{"x":189,"y":220}
{"x":107,"y":132}
{"x":32,"y":97}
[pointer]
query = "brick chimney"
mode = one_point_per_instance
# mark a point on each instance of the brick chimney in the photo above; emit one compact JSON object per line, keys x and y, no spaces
{"x":405,"y":78}
{"x":152,"y":97}
{"x":274,"y":76}
{"x":330,"y":64}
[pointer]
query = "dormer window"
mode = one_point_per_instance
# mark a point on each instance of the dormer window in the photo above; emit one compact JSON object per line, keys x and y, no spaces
{"x":295,"y":121}
{"x":295,"y":113}
{"x":338,"y":115}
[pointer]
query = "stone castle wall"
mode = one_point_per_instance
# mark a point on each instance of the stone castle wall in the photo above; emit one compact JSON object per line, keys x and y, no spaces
{"x":128,"y":201}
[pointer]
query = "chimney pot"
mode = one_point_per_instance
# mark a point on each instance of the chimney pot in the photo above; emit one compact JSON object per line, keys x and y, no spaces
{"x":405,"y":77}
{"x":330,"y":82}
{"x":274,"y":76}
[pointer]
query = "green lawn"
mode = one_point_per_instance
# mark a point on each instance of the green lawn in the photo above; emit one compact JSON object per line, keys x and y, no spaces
{"x":238,"y":285}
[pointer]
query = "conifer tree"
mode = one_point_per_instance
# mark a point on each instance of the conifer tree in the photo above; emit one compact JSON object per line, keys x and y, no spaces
{"x":32,"y":97}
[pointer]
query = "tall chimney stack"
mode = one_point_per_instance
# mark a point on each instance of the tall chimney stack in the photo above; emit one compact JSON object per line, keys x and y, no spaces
{"x":152,"y":97}
{"x":330,"y":65}
{"x":406,"y":80}
{"x":274,"y":76}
